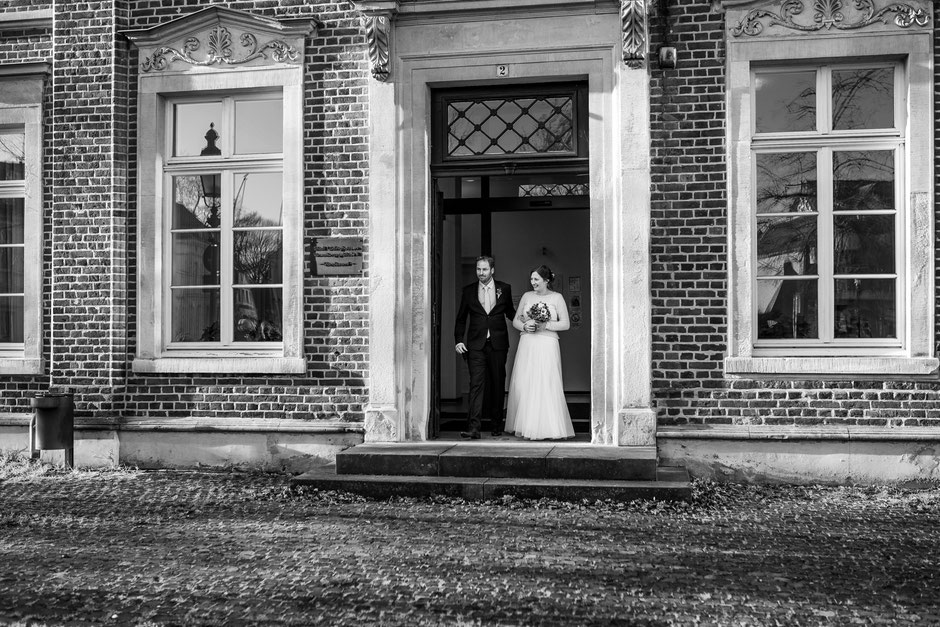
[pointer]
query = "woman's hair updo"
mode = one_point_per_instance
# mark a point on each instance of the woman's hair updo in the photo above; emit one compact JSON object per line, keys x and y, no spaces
{"x":546,"y":273}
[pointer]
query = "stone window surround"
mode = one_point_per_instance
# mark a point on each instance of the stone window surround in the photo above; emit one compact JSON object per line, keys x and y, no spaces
{"x":916,"y":357}
{"x":28,"y":360}
{"x":154,"y":90}
{"x":581,"y":45}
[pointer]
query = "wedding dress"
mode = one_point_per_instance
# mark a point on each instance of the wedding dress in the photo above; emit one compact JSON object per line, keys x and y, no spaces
{"x":537,"y":408}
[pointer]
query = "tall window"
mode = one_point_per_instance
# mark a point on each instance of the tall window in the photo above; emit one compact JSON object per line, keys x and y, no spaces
{"x":21,"y":89}
{"x":12,"y":237}
{"x":225,"y":250}
{"x":827,"y":152}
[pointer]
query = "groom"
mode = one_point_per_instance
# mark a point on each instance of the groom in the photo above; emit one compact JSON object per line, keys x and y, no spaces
{"x":488,"y":304}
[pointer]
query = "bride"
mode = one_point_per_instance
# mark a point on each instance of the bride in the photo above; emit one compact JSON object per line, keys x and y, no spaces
{"x":537,"y":408}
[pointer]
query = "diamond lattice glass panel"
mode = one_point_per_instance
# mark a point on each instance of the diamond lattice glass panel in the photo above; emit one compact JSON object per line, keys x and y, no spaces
{"x":786,"y":101}
{"x":12,"y":155}
{"x":787,"y":309}
{"x":511,"y":126}
{"x":865,"y":308}
{"x":863,"y":98}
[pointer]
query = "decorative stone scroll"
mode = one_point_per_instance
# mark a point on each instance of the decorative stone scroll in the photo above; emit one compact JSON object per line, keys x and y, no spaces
{"x":829,"y":14}
{"x":633,"y":20}
{"x":377,"y":17}
{"x":219,"y":50}
{"x":378,"y":29}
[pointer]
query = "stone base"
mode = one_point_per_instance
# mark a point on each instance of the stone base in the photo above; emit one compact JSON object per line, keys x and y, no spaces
{"x":831,"y":462}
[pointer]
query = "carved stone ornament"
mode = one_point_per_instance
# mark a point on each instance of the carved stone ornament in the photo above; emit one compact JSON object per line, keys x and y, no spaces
{"x":378,"y":28}
{"x":633,"y":21}
{"x":377,"y":17}
{"x":219,"y":50}
{"x":829,"y":14}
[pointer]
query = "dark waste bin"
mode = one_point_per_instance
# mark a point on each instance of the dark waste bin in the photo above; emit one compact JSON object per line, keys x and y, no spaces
{"x":54,"y":418}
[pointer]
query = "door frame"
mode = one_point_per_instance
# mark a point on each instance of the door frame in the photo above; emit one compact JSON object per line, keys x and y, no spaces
{"x":400,"y":185}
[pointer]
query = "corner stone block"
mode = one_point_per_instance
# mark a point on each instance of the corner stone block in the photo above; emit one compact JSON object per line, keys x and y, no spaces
{"x":637,"y":427}
{"x":381,"y":424}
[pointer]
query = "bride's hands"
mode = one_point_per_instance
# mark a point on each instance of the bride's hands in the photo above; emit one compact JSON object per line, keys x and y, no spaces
{"x":530,"y":326}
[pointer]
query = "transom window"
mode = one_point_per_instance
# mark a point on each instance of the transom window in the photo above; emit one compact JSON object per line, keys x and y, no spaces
{"x":225,"y":219}
{"x":828,"y":146}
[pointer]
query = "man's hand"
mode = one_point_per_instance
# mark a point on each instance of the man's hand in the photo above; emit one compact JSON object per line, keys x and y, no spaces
{"x":461,"y":348}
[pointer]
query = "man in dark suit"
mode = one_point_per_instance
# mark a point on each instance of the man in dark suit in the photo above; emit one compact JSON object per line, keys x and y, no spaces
{"x":488,"y":304}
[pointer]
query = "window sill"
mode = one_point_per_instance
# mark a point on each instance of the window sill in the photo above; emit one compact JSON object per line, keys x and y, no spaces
{"x":20,"y":365}
{"x":222,"y":365}
{"x":846,"y":365}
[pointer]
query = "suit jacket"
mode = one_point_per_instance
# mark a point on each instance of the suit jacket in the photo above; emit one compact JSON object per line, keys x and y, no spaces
{"x":480,"y":321}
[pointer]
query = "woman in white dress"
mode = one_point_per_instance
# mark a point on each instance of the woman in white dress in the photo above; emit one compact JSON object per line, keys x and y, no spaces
{"x":537,"y":408}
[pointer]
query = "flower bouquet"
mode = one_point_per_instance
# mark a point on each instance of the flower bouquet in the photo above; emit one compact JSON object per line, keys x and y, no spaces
{"x":539,"y":312}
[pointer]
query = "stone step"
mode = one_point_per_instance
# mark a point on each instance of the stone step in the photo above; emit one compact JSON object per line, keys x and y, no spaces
{"x":670,"y":484}
{"x":576,"y":461}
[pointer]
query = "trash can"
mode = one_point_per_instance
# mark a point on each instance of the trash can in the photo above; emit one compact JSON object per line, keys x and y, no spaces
{"x":53,"y":424}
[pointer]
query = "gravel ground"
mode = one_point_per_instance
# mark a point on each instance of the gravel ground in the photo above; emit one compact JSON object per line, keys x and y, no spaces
{"x":190,"y":548}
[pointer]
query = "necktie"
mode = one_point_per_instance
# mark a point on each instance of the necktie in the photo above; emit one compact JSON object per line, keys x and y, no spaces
{"x":488,"y":298}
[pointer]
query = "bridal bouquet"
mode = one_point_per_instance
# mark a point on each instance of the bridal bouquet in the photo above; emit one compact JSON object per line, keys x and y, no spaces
{"x":539,"y":312}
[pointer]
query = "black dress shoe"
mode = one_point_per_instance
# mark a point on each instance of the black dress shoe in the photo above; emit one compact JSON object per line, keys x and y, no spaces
{"x":496,"y":433}
{"x":470,"y":435}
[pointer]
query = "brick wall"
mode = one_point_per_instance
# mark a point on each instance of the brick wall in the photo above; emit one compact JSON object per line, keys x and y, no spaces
{"x":32,"y":45}
{"x":689,"y":261}
{"x":335,"y":204}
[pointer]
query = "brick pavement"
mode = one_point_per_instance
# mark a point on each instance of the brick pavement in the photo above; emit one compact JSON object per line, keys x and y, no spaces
{"x":171,"y":548}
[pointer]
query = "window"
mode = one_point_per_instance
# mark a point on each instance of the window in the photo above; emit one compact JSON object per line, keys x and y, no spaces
{"x":827,"y":146}
{"x":830,"y":188}
{"x":226,"y":251}
{"x":220,"y":202}
{"x":20,"y":222}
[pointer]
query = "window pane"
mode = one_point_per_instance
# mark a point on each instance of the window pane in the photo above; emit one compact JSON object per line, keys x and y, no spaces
{"x":863,"y":98}
{"x":787,"y":309}
{"x":258,"y":199}
{"x":865,"y":308}
{"x":195,"y":315}
{"x":258,"y":315}
{"x":11,"y":220}
{"x":258,"y":126}
{"x":786,"y":182}
{"x":195,"y":258}
{"x":11,"y":319}
{"x":12,"y":156}
{"x":196,"y":201}
{"x":11,"y":270}
{"x":191,"y":123}
{"x":785,"y":101}
{"x":786,"y":246}
{"x":864,"y":180}
{"x":863,"y":244}
{"x":258,"y":257}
